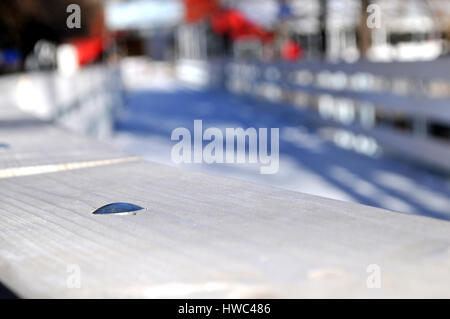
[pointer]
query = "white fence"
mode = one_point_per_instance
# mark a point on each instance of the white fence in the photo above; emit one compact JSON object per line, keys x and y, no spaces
{"x":83,"y":102}
{"x":405,"y":107}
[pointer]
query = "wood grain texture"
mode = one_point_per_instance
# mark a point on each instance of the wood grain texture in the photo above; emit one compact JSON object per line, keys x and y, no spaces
{"x":201,"y":236}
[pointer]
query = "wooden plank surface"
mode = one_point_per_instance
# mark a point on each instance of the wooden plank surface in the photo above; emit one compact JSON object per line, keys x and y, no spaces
{"x":200,"y":236}
{"x":27,"y":141}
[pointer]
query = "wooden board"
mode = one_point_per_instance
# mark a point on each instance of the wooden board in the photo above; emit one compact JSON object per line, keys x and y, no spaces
{"x":201,"y":236}
{"x":26,"y":141}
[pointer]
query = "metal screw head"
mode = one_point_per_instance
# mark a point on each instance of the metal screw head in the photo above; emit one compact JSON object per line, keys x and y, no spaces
{"x":118,"y":209}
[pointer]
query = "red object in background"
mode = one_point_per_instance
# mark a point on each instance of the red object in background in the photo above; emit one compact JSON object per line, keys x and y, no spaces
{"x":231,"y":22}
{"x":234,"y":23}
{"x":291,"y":51}
{"x":91,"y":47}
{"x":88,"y":49}
{"x":199,"y":9}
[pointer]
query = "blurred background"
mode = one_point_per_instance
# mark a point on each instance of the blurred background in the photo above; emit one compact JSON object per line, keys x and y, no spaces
{"x":360,"y":89}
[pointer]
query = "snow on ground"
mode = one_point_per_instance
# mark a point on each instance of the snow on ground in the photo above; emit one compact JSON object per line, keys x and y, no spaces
{"x":309,"y":163}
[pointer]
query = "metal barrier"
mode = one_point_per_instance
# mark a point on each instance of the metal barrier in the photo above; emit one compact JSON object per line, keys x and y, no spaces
{"x":404,"y":107}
